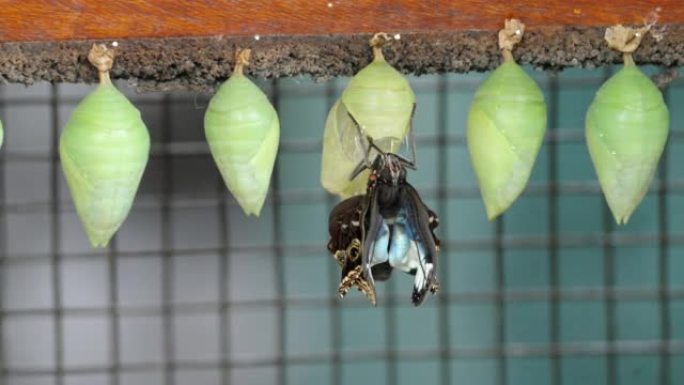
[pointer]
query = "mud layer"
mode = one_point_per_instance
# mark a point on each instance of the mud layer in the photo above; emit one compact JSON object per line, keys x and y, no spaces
{"x":199,"y":64}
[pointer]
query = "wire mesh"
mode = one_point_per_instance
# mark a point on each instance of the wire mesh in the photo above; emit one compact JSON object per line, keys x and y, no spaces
{"x":191,"y":291}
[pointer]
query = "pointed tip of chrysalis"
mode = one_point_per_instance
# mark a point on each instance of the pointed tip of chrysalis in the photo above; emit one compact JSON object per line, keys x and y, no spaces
{"x":491,"y":213}
{"x":621,"y":214}
{"x":99,"y":241}
{"x":621,"y":219}
{"x":495,"y":210}
{"x":251,"y":208}
{"x":256,"y":213}
{"x":99,"y":237}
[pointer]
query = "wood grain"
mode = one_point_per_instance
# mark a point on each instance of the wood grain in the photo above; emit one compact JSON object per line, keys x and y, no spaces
{"x":40,"y":20}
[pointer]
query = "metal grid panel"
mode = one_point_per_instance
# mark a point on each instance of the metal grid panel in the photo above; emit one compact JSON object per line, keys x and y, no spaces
{"x":190,"y":291}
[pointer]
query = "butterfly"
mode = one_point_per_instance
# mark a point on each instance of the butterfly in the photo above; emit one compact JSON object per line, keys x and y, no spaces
{"x":388,"y":228}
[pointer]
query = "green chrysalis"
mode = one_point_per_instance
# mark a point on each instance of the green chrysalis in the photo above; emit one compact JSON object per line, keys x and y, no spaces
{"x":626,"y":131}
{"x":506,"y":126}
{"x":381,"y":100}
{"x":243,"y":132}
{"x":103,"y":150}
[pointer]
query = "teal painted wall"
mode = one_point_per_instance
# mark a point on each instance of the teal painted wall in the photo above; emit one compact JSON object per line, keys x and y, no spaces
{"x":326,"y":341}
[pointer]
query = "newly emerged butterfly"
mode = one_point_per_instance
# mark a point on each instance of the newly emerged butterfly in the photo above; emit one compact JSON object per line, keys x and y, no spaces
{"x":381,"y":100}
{"x":104,"y":150}
{"x":243,"y":132}
{"x":387,"y":228}
{"x":506,"y":125}
{"x":626,"y":129}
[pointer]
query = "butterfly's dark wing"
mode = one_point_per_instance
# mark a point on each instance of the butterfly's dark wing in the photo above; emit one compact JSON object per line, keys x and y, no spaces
{"x":433,"y":221}
{"x":381,"y":271}
{"x":343,"y":223}
{"x":418,"y":218}
{"x":344,"y":226}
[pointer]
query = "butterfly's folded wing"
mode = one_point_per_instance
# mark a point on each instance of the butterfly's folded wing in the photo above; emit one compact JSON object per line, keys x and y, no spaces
{"x":418,"y":217}
{"x":433,"y":221}
{"x":372,"y":225}
{"x":346,"y":232}
{"x":344,"y":223}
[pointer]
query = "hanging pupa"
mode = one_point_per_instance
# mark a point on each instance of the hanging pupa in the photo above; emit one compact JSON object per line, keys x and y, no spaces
{"x":381,"y":100}
{"x":103,"y":150}
{"x":243,"y":132}
{"x":506,"y":126}
{"x":626,"y":129}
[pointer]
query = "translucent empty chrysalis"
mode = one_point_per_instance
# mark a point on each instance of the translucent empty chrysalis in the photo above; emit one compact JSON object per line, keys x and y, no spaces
{"x":626,"y":129}
{"x":103,"y":150}
{"x":382,"y":101}
{"x":506,"y":126}
{"x":243,"y":132}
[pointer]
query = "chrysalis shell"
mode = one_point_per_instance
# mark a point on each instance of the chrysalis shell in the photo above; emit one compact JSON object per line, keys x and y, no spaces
{"x":341,"y":155}
{"x":243,"y":132}
{"x":381,"y":100}
{"x":626,"y":130}
{"x":103,"y":150}
{"x":506,"y":126}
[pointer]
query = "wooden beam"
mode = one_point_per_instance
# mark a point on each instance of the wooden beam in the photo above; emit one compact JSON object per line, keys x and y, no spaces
{"x":41,"y":20}
{"x":181,"y":44}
